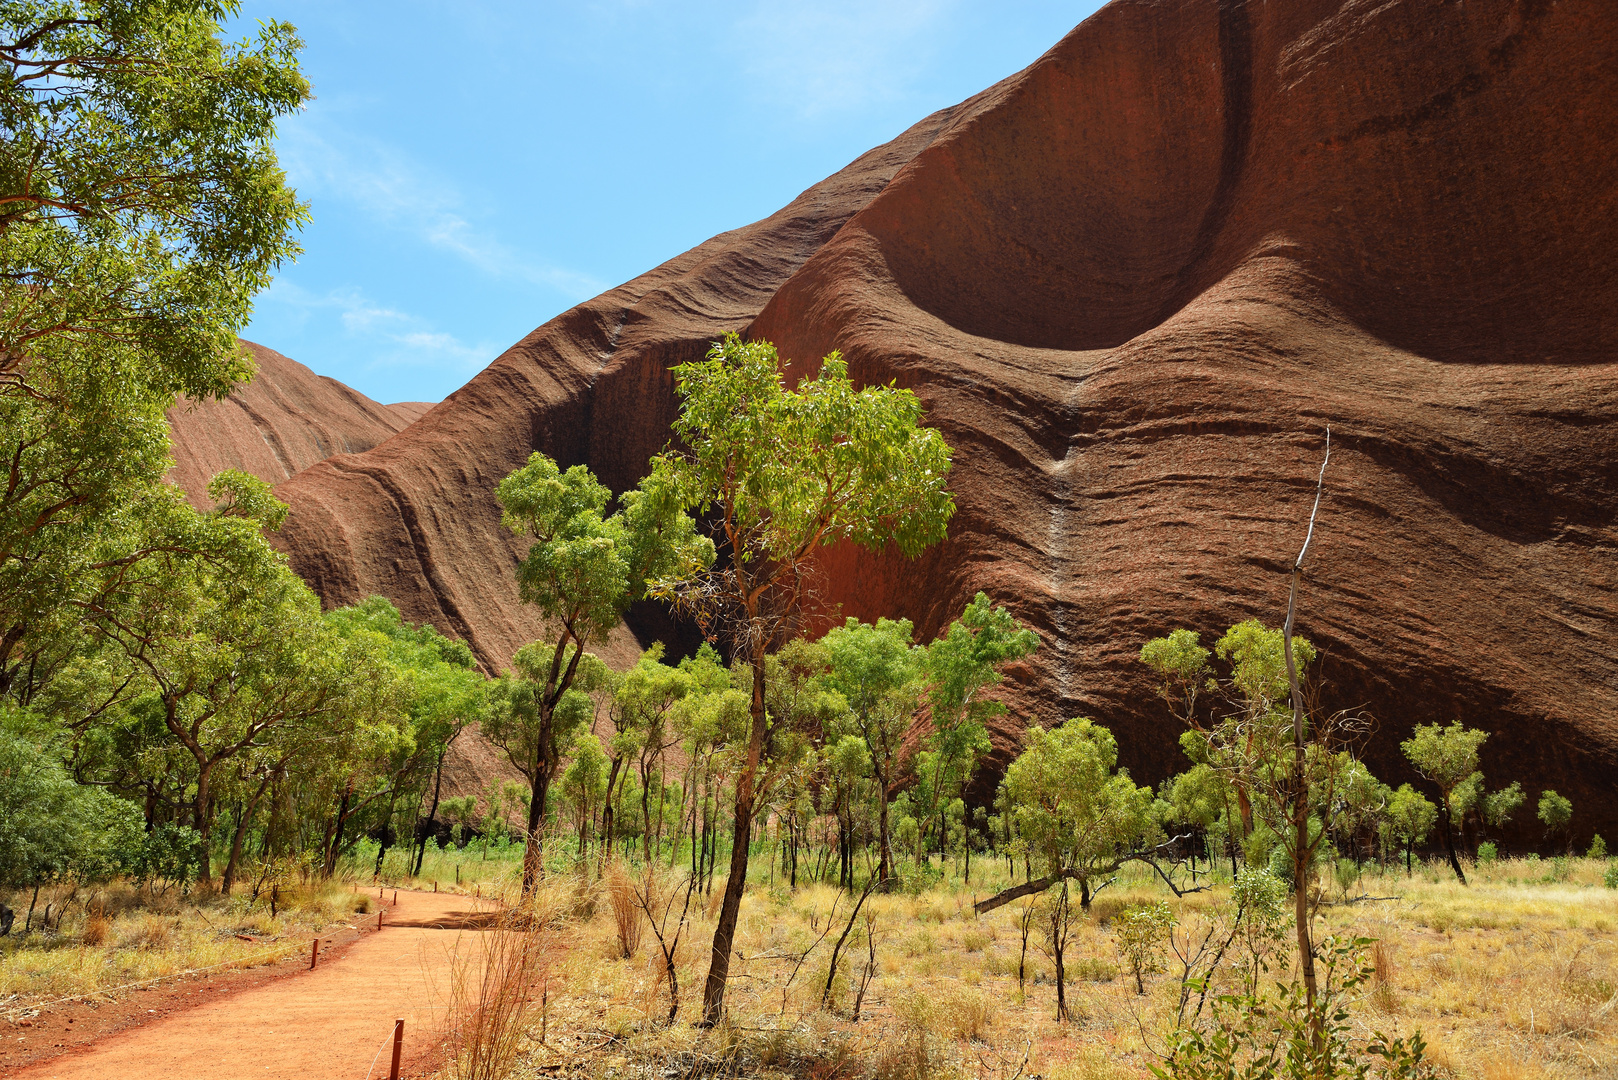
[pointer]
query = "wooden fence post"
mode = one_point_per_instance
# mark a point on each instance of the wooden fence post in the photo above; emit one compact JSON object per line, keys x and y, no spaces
{"x":398,"y":1048}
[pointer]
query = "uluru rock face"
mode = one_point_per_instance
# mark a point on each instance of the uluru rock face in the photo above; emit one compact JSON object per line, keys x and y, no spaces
{"x":1134,"y":284}
{"x":280,"y":423}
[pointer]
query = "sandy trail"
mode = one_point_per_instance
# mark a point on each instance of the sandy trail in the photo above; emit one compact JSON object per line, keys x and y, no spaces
{"x":329,"y":1022}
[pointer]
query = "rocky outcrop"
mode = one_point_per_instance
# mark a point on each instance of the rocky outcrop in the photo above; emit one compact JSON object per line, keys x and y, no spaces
{"x":1134,"y":284}
{"x":280,"y":423}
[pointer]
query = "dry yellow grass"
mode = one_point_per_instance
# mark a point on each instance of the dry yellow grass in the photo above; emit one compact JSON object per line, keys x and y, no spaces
{"x":118,"y":935}
{"x":1512,"y":978}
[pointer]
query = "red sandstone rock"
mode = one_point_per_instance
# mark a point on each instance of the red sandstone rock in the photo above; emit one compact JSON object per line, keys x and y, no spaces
{"x":1133,"y":284}
{"x":283,"y":421}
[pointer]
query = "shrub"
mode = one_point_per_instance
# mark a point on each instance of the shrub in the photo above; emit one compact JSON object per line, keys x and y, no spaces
{"x":1488,"y":852}
{"x":152,"y":932}
{"x":1272,"y":1037}
{"x":95,"y":928}
{"x":1141,"y":933}
{"x":1347,"y":872}
{"x":976,"y":940}
{"x":170,"y":855}
{"x":1598,"y":848}
{"x":1610,"y":879}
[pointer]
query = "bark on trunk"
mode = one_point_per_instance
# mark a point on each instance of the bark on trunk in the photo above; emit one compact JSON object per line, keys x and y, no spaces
{"x":1449,"y":837}
{"x":885,"y":870}
{"x":432,"y":815}
{"x":532,"y":856}
{"x":337,"y":831}
{"x":1301,"y":849}
{"x":236,"y":841}
{"x":713,"y":992}
{"x":608,"y":823}
{"x":204,"y":827}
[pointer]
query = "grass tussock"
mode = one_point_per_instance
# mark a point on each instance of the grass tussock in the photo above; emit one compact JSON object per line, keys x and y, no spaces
{"x":497,"y":990}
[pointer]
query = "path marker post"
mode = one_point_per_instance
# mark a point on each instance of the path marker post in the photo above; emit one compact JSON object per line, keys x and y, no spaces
{"x":379,"y":912}
{"x":398,"y":1048}
{"x":314,"y":953}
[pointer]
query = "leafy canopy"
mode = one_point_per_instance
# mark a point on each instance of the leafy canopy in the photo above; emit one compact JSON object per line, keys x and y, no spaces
{"x":1069,"y":804}
{"x":142,"y":203}
{"x":586,"y":566}
{"x":788,"y":471}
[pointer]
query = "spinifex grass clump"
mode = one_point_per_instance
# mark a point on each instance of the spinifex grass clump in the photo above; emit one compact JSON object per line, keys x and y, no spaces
{"x":497,"y":988}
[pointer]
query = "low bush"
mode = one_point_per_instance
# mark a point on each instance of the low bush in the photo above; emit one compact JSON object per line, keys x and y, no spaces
{"x":1282,"y":1037}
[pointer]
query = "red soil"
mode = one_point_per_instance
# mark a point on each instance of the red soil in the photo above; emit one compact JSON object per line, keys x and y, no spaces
{"x":285,"y":1021}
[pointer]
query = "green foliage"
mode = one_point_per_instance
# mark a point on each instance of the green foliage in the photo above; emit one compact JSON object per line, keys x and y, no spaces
{"x":1610,"y":878}
{"x":877,"y":672}
{"x":1273,"y":1036}
{"x":1200,"y":796}
{"x":1067,"y":802}
{"x":52,"y":827}
{"x":1598,"y":848}
{"x":1488,"y":853}
{"x":960,"y":665}
{"x":585,"y":566}
{"x":792,"y":470}
{"x":141,"y":207}
{"x":517,"y":721}
{"x":1410,"y":816}
{"x":1499,"y":806}
{"x":1260,"y":920}
{"x":1556,"y":811}
{"x":1181,"y":665}
{"x":1448,"y":756}
{"x":1140,"y":933}
{"x":1257,"y":658}
{"x":167,"y":856}
{"x":143,"y":204}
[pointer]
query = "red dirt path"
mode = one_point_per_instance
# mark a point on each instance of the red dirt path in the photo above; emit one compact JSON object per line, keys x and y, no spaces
{"x":329,"y":1022}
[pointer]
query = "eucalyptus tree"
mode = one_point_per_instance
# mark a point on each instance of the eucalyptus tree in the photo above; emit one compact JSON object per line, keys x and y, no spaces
{"x":878,"y":672}
{"x":1409,"y":819}
{"x":1078,"y":813}
{"x":785,"y":472}
{"x":533,"y":719}
{"x":141,"y":208}
{"x":1247,"y":743}
{"x":583,"y":570}
{"x":644,"y":700}
{"x":1448,"y":757}
{"x":1556,"y":811}
{"x":230,"y":646}
{"x":584,"y":788}
{"x":848,"y":763}
{"x":966,"y":660}
{"x":440,"y":693}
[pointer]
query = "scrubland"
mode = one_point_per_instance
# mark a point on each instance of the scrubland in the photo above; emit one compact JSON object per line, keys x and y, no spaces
{"x":1512,"y":977}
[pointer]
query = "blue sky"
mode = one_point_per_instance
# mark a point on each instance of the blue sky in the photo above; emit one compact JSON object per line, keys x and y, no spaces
{"x":475,"y":168}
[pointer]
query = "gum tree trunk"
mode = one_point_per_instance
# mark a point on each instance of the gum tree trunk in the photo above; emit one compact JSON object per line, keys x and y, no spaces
{"x":724,"y":935}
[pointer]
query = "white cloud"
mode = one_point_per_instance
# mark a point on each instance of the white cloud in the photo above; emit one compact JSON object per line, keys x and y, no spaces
{"x":324,"y":161}
{"x":384,"y":337}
